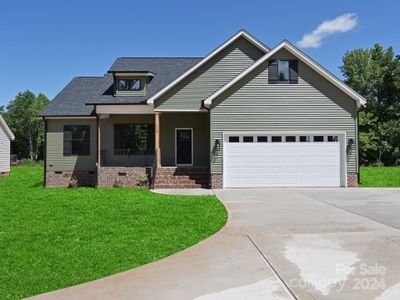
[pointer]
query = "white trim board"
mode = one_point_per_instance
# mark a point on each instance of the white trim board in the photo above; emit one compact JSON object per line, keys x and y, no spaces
{"x":241,"y":33}
{"x":176,"y":147}
{"x":6,"y":129}
{"x":124,"y":109}
{"x":305,"y":59}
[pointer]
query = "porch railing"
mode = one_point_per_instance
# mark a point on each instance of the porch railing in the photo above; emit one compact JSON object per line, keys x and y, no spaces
{"x":124,"y":159}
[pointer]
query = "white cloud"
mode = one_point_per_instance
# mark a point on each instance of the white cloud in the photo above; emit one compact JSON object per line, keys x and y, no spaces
{"x":342,"y":23}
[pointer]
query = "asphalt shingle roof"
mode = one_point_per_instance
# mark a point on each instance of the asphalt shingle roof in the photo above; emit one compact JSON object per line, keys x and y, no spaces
{"x":73,"y":100}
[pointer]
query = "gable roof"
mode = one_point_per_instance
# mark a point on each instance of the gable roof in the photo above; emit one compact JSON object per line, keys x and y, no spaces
{"x":241,"y":34}
{"x":6,"y":129}
{"x":305,"y":59}
{"x":82,"y":93}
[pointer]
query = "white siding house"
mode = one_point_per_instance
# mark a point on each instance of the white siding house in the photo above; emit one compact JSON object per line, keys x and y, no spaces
{"x":5,"y":137}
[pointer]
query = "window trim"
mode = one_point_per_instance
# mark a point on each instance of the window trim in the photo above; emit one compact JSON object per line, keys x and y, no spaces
{"x":176,"y":147}
{"x":148,"y":152}
{"x":129,"y":90}
{"x":87,"y":136}
{"x":290,"y":80}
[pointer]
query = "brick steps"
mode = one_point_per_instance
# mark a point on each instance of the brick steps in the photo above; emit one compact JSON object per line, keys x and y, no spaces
{"x":181,"y":178}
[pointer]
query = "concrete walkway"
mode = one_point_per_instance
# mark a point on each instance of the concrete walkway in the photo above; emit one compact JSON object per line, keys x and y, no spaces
{"x":278,"y":244}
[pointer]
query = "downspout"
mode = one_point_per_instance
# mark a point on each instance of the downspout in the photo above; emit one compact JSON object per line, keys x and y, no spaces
{"x":358,"y":146}
{"x":45,"y":151}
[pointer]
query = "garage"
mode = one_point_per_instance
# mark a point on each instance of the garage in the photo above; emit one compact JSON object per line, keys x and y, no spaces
{"x":284,"y":160}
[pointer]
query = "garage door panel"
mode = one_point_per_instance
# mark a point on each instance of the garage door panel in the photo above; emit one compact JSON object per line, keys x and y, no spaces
{"x":282,"y":164}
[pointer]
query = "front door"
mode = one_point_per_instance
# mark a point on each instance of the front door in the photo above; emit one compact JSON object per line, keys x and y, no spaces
{"x":184,"y":147}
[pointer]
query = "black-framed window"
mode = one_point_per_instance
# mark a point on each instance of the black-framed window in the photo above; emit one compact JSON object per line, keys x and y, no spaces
{"x":318,"y":138}
{"x":233,"y":139}
{"x":262,"y":139}
{"x":76,"y":140}
{"x":276,"y":139}
{"x":290,"y":139}
{"x":305,"y":138}
{"x":248,"y":139}
{"x":129,"y":84}
{"x":333,"y":138}
{"x":134,"y":139}
{"x":283,"y":71}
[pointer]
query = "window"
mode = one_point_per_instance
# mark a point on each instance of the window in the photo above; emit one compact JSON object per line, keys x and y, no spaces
{"x":318,"y":138}
{"x":333,"y":138}
{"x":233,"y":139}
{"x":76,"y":140}
{"x":129,"y":84}
{"x":305,"y":139}
{"x":248,"y":139}
{"x":290,"y":139}
{"x":262,"y":139}
{"x":134,"y":139}
{"x":283,"y":71}
{"x":276,"y":139}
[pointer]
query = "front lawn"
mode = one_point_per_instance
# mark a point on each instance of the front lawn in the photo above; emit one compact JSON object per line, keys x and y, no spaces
{"x":380,"y":176}
{"x":54,"y":238}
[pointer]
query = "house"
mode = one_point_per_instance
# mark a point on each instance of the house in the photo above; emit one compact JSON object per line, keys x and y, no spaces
{"x":6,"y":136}
{"x":246,"y":115}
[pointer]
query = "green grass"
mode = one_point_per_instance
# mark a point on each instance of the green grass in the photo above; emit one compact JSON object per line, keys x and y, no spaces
{"x":54,"y":238}
{"x":380,"y":176}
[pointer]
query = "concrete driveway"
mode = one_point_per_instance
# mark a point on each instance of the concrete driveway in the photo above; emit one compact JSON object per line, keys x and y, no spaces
{"x":278,"y":244}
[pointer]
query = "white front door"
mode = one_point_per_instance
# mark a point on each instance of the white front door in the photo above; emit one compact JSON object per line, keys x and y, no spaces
{"x":290,"y":160}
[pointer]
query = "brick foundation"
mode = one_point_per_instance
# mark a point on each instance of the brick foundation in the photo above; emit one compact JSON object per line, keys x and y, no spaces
{"x":216,"y":181}
{"x":4,"y":173}
{"x":63,"y":179}
{"x":121,"y":176}
{"x":352,"y":179}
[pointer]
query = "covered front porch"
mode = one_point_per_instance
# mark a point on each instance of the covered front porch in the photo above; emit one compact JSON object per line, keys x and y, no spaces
{"x":170,"y":148}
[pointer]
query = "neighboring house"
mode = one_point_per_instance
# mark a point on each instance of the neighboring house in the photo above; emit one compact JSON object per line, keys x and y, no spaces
{"x":6,"y":136}
{"x":243,"y":116}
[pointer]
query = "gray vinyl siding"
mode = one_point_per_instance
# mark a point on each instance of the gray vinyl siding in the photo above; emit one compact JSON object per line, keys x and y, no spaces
{"x":222,"y":68}
{"x":199,"y":122}
{"x":107,"y":141}
{"x":4,"y":151}
{"x":313,"y":104}
{"x":56,"y":161}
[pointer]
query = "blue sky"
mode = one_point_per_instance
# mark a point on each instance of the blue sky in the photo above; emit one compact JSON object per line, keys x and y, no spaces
{"x":44,"y":44}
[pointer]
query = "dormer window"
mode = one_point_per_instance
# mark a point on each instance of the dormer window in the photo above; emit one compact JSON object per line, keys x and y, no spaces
{"x":131,"y":84}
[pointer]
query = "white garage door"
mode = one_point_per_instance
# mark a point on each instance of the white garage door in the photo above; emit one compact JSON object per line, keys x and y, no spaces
{"x":282,"y":160}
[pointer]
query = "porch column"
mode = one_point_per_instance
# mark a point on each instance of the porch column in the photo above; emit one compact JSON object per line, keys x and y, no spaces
{"x":98,"y":142}
{"x":157,"y":127}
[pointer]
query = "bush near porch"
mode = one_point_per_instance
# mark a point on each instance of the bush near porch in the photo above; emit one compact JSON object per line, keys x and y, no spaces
{"x":55,"y":238}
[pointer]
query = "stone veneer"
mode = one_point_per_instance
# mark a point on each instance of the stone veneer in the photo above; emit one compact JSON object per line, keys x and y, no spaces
{"x":121,"y":176}
{"x":352,"y":179}
{"x":63,"y":178}
{"x":216,"y":181}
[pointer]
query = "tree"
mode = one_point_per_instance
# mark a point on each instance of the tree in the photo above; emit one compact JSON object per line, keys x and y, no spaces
{"x":21,"y":117}
{"x":375,"y":74}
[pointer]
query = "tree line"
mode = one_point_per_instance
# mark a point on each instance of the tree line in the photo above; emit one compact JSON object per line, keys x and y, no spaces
{"x":21,"y":116}
{"x":374,"y":73}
